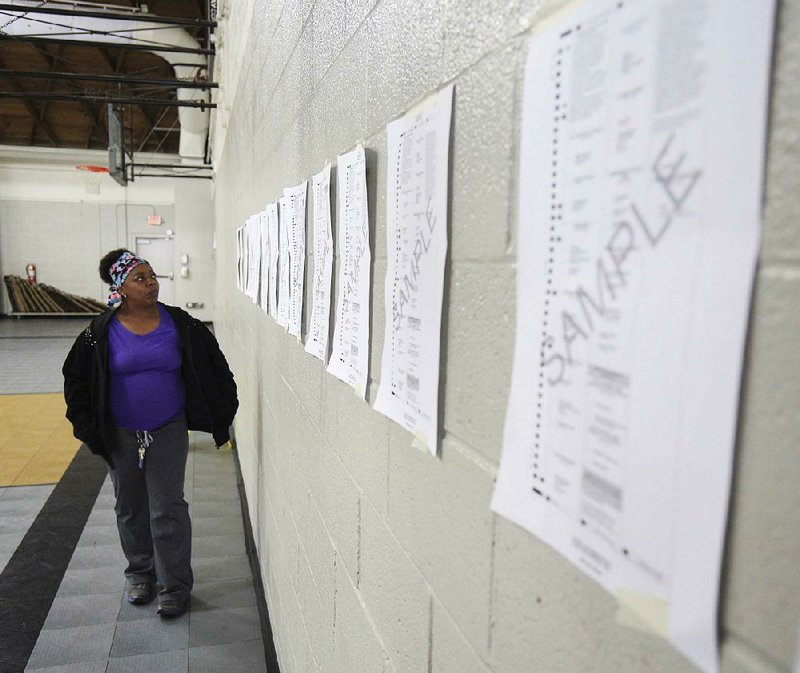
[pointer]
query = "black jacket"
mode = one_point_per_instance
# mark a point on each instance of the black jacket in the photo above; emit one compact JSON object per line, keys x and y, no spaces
{"x":211,"y":400}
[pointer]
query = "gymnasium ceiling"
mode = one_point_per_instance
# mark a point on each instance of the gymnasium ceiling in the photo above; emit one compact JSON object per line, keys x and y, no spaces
{"x":43,"y":105}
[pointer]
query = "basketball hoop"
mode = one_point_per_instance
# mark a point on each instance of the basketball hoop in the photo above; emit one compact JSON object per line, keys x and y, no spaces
{"x":92,"y":179}
{"x":92,"y":169}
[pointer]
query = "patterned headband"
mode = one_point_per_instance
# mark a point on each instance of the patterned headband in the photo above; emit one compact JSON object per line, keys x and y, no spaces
{"x":119,"y":272}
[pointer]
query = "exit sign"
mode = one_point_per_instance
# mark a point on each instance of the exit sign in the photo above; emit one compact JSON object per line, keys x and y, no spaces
{"x":155,"y":220}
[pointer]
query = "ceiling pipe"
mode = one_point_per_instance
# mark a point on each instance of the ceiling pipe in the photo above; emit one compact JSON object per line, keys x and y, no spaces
{"x":60,"y":38}
{"x":115,"y":100}
{"x":92,"y":77}
{"x":110,"y":14}
{"x":189,"y":64}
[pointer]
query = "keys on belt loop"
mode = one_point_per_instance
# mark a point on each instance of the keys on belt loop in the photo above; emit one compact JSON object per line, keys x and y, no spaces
{"x":143,"y":439}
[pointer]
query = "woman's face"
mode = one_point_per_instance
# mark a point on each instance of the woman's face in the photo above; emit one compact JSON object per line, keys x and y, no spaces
{"x":141,"y":286}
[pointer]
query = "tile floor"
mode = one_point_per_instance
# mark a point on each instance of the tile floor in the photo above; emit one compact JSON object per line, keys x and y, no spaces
{"x":19,"y":506}
{"x":90,"y":627}
{"x":32,"y":351}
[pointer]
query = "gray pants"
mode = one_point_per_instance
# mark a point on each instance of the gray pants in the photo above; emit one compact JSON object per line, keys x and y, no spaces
{"x":152,"y":515}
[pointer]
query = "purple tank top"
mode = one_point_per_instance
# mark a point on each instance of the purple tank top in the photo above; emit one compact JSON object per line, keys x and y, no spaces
{"x":146,"y":385}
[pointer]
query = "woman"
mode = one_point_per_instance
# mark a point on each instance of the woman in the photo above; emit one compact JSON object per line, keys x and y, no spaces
{"x":135,"y":380}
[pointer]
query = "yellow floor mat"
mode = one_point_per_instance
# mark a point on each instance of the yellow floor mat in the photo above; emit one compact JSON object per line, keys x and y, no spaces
{"x":36,"y":442}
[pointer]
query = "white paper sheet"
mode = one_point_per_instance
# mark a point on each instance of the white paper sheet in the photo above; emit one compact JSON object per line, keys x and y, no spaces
{"x":416,"y":242}
{"x":274,"y":251}
{"x":350,"y":357}
{"x":296,"y":229}
{"x":319,"y":324}
{"x":264,"y":286}
{"x":284,"y":274}
{"x":245,"y":243}
{"x":639,"y":206}
{"x":253,"y":238}
{"x":239,"y":256}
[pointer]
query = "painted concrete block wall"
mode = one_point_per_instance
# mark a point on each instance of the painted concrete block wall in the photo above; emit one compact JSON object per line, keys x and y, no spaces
{"x":65,"y":220}
{"x":375,"y":556}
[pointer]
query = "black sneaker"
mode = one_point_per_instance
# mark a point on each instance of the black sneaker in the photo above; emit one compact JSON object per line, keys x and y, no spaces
{"x":140,"y":593}
{"x":172,"y":606}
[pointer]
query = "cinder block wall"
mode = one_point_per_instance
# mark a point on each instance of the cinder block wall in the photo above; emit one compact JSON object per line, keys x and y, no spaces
{"x":375,"y":556}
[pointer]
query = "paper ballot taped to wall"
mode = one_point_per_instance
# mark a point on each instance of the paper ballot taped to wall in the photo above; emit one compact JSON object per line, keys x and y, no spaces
{"x":319,"y":324}
{"x":284,"y":265}
{"x":264,"y":286}
{"x":295,"y":218}
{"x":416,"y":249}
{"x":274,"y":251}
{"x":239,"y":255}
{"x":639,"y":207}
{"x":253,"y":238}
{"x":350,"y":357}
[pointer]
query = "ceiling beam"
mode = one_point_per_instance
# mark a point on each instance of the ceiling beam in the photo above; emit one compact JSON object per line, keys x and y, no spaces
{"x":118,"y":16}
{"x":52,"y":62}
{"x":19,"y":92}
{"x":94,"y":116}
{"x":117,"y":100}
{"x":99,"y":111}
{"x":33,"y":111}
{"x":136,"y":46}
{"x":123,"y":79}
{"x":95,"y":120}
